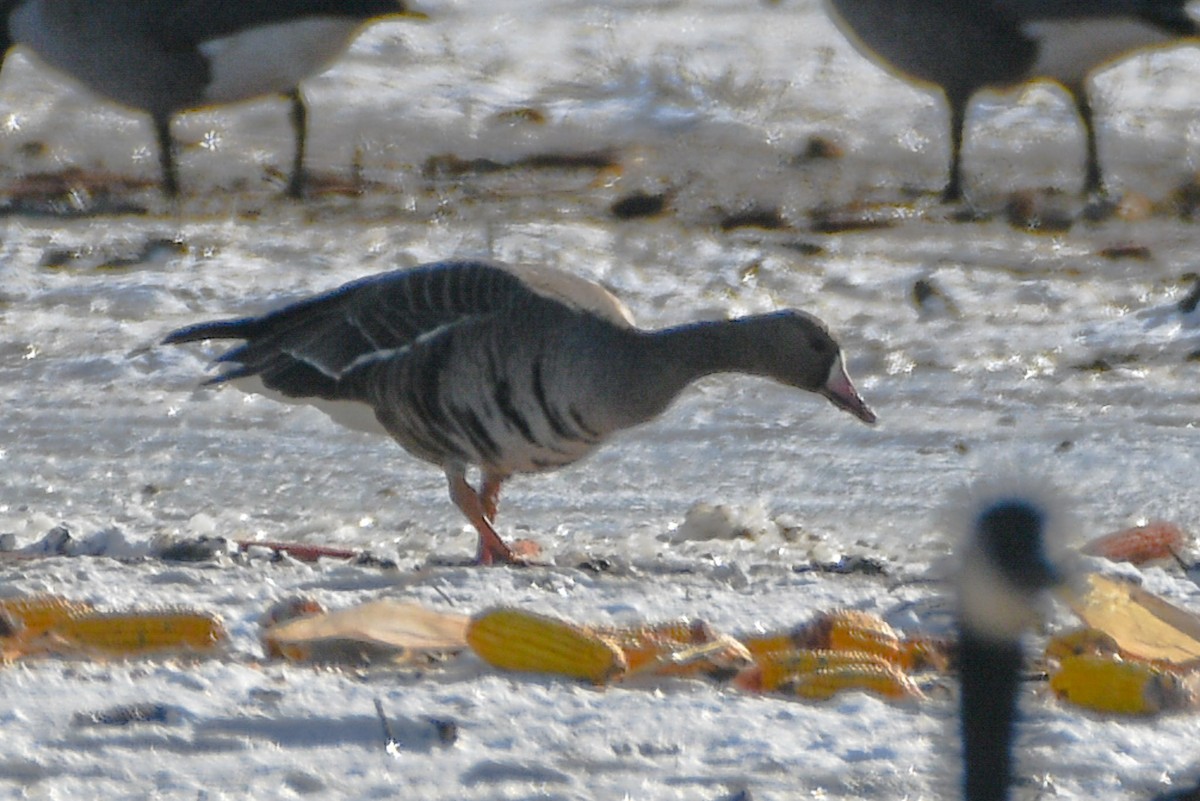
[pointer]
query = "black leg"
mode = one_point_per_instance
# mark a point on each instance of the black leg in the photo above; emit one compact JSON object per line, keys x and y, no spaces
{"x":1093,"y":183}
{"x":958,"y":118}
{"x":991,"y":679}
{"x":299,"y":118}
{"x":166,"y":154}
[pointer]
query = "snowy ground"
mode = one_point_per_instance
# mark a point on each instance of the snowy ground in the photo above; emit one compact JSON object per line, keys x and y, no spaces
{"x":1063,"y":354}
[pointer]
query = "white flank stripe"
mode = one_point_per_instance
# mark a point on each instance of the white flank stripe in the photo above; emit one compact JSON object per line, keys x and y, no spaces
{"x":1069,"y":50}
{"x":351,"y":414}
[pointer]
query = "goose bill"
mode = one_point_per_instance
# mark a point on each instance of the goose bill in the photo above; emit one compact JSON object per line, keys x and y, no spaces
{"x":841,"y":393}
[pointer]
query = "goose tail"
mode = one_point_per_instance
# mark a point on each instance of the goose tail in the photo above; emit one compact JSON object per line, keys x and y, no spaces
{"x":242,"y":328}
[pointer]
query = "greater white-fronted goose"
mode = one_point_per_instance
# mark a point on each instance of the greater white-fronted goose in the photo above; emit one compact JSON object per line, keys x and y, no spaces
{"x":167,"y":56}
{"x":962,"y":46}
{"x":510,"y":370}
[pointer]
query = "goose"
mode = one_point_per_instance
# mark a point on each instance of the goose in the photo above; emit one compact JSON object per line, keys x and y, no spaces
{"x":471,"y":364}
{"x":164,"y":57}
{"x":1006,"y":568}
{"x":963,"y":46}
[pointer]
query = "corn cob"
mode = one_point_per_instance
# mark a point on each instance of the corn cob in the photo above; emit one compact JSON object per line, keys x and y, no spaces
{"x":644,"y":646}
{"x":512,"y":639}
{"x":1155,"y":540}
{"x":1106,"y":684}
{"x":875,"y":676}
{"x":136,"y":633}
{"x":886,"y":682}
{"x":839,"y":630}
{"x":37,"y":613}
{"x":771,"y":671}
{"x":1084,"y":641}
{"x":925,"y":653}
{"x":678,"y":647}
{"x":850,"y":630}
{"x":722,"y":658}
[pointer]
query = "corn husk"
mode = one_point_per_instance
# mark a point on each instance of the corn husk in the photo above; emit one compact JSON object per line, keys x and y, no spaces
{"x":383,"y":630}
{"x":1143,"y":625}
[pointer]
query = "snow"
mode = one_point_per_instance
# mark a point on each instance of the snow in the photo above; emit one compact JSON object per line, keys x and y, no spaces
{"x":1044,"y":356}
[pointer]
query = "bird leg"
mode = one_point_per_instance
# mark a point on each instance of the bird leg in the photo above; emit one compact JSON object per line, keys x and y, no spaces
{"x":489,"y":494}
{"x":166,"y":154}
{"x":299,"y":117}
{"x":1093,"y":183}
{"x":958,"y":120}
{"x":492,"y":549}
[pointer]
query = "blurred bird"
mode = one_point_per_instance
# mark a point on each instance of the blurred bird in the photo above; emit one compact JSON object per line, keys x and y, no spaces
{"x":1006,"y":567}
{"x":168,"y":56}
{"x":962,"y":46}
{"x":508,"y":370}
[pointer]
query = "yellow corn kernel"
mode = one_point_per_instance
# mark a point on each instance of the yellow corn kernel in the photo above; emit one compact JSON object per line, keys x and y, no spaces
{"x":36,"y":613}
{"x":839,"y":630}
{"x":851,"y":630}
{"x":767,"y":644}
{"x":700,"y":650}
{"x":679,"y":647}
{"x":643,"y":645}
{"x":1082,"y":641}
{"x":882,"y":679}
{"x":771,"y":671}
{"x":722,"y":657}
{"x":135,"y":633}
{"x":513,"y":639}
{"x":1107,"y":684}
{"x":925,"y":653}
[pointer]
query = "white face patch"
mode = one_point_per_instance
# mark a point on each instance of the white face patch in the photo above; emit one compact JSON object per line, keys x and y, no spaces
{"x":837,"y":373}
{"x":1069,"y":49}
{"x":271,"y":59}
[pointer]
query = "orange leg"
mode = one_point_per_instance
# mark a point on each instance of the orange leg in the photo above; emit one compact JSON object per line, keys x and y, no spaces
{"x":489,"y":494}
{"x":492,"y":549}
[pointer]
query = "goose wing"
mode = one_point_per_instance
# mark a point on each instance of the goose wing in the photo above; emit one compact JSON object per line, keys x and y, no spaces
{"x":303,"y":349}
{"x":1169,"y":15}
{"x":191,"y":22}
{"x":575,"y":291}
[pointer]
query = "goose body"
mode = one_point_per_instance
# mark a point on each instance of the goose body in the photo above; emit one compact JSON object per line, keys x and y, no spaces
{"x":471,"y":364}
{"x":164,"y":57}
{"x":1006,"y":567}
{"x":963,"y":46}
